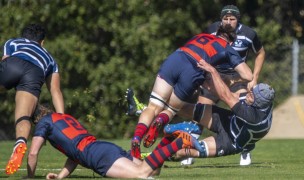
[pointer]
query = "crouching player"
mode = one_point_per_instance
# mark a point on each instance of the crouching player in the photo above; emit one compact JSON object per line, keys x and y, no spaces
{"x":67,"y":135}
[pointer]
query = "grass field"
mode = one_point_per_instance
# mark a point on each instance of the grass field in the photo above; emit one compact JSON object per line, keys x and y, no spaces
{"x":272,"y":159}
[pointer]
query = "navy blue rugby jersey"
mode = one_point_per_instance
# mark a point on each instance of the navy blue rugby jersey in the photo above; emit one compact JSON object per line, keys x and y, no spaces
{"x":33,"y":52}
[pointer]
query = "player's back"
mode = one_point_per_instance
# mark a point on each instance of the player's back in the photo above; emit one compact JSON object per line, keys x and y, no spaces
{"x":65,"y":133}
{"x":213,"y":49}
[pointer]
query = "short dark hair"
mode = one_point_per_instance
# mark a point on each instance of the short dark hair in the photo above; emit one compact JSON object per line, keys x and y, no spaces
{"x":34,"y":32}
{"x":227,"y":31}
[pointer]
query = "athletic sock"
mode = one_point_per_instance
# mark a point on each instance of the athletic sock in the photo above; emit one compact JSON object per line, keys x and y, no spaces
{"x":158,"y":156}
{"x":20,"y":140}
{"x":164,"y":141}
{"x":140,"y":130}
{"x":164,"y":117}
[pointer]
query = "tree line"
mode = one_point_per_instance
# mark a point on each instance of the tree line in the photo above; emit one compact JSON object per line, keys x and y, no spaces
{"x":104,"y":47}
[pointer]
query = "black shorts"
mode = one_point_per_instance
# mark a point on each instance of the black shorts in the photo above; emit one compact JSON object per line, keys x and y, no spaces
{"x":221,"y":126}
{"x":21,"y":75}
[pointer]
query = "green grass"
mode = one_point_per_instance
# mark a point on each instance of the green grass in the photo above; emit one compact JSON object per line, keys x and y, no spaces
{"x":272,"y":159}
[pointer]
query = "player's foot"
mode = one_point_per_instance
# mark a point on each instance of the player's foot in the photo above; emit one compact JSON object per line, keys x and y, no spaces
{"x":245,"y":159}
{"x":187,"y":162}
{"x":152,"y":133}
{"x":135,"y":148}
{"x":16,"y":159}
{"x":134,"y":106}
{"x":190,"y":127}
{"x":188,"y":140}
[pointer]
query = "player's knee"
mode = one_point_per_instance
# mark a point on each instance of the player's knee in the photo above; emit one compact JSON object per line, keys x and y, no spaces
{"x":198,"y":112}
{"x":23,"y":118}
{"x":157,"y":100}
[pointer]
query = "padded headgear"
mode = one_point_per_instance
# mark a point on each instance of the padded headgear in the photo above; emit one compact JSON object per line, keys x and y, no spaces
{"x":231,"y":9}
{"x":263,"y":95}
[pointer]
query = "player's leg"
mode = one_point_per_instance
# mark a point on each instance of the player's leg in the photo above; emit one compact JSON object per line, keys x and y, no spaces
{"x":160,"y":94}
{"x":25,"y":105}
{"x":173,"y":106}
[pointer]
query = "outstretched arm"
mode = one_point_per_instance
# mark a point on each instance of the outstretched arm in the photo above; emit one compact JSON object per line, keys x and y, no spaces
{"x":32,"y":158}
{"x":259,"y":61}
{"x":218,"y":85}
{"x":53,"y":85}
{"x":68,"y":168}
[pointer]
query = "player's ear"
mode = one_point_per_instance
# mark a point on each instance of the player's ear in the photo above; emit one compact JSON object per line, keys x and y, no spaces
{"x":42,"y":42}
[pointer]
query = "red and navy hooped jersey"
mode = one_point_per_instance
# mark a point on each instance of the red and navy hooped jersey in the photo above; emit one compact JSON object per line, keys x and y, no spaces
{"x":31,"y":51}
{"x":66,"y":134}
{"x":213,"y":49}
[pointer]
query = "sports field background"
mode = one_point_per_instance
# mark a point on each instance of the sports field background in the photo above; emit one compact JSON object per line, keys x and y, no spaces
{"x":272,"y":159}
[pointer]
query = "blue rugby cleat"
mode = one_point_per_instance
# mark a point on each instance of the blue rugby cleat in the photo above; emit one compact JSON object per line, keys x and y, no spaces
{"x":189,"y":127}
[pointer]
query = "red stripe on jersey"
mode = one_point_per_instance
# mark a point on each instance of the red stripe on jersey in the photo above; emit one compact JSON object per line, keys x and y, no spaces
{"x":191,"y":53}
{"x":85,"y":141}
{"x":205,"y":42}
{"x":56,"y":117}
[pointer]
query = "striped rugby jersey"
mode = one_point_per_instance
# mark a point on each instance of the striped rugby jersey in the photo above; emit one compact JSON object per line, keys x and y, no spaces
{"x":33,"y":52}
{"x":249,"y":124}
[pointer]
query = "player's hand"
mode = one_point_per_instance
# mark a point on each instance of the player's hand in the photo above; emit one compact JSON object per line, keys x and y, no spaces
{"x":51,"y":176}
{"x":251,"y":84}
{"x":205,"y":66}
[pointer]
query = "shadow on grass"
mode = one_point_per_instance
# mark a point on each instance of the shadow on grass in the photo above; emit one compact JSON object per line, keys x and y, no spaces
{"x":224,"y":165}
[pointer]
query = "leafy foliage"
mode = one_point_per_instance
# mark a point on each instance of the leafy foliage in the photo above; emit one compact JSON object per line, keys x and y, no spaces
{"x":104,"y":47}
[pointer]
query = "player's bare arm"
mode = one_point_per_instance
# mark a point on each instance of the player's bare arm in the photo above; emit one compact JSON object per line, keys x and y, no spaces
{"x":32,"y":159}
{"x":68,"y":168}
{"x":259,"y":61}
{"x":218,"y":85}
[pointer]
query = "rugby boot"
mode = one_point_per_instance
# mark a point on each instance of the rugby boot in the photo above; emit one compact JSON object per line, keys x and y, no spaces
{"x":152,"y":133}
{"x":191,"y":127}
{"x":15,"y":160}
{"x":135,"y":147}
{"x":245,"y":159}
{"x":134,"y":108}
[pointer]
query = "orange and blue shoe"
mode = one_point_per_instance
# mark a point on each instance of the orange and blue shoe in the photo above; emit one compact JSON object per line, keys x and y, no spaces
{"x":152,"y":133}
{"x":16,"y":159}
{"x":189,"y":141}
{"x":135,"y":148}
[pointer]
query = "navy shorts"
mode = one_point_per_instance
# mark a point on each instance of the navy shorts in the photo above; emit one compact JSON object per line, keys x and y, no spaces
{"x":182,"y":73}
{"x":221,"y":126}
{"x":101,"y":155}
{"x":21,"y":75}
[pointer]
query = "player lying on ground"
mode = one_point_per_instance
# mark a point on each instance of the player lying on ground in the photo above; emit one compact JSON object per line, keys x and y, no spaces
{"x":237,"y":130}
{"x":67,"y":135}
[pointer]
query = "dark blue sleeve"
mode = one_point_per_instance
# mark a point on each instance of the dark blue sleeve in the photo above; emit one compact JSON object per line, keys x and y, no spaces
{"x":233,"y":56}
{"x":43,"y":127}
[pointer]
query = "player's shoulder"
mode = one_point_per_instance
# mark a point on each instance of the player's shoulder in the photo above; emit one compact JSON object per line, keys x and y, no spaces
{"x":212,"y":28}
{"x":244,"y":29}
